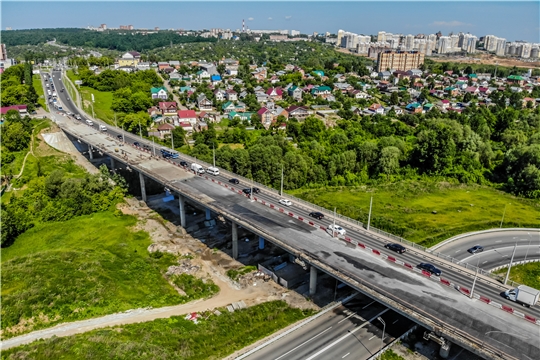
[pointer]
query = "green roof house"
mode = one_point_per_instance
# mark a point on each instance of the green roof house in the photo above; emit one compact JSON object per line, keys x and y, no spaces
{"x":159,"y":93}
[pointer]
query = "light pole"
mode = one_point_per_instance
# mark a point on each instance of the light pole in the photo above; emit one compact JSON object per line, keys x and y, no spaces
{"x":281,"y":189}
{"x":475,"y":277}
{"x":334,"y":228}
{"x":140,"y":131}
{"x":153,"y":146}
{"x":504,"y":212}
{"x":172,"y":140}
{"x":369,"y":215}
{"x":384,"y":328}
{"x":510,"y":265}
{"x":214,"y":155}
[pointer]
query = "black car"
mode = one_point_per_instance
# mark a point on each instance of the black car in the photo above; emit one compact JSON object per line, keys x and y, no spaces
{"x":476,"y":249}
{"x":119,"y":136}
{"x":183,"y":163}
{"x":317,"y":215}
{"x":234,"y":181}
{"x":428,"y":267}
{"x":248,"y":191}
{"x":395,"y":247}
{"x":136,"y":143}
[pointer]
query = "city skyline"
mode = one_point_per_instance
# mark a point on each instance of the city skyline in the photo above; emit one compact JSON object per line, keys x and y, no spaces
{"x":479,"y":18}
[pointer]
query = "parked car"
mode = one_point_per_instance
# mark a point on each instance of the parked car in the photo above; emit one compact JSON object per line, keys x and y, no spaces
{"x":285,"y":202}
{"x":248,"y":191}
{"x":136,"y":143}
{"x":338,"y":230}
{"x":183,"y":163}
{"x":234,"y":181}
{"x":429,"y":267}
{"x":317,"y":215}
{"x":476,"y":249}
{"x":396,"y":247}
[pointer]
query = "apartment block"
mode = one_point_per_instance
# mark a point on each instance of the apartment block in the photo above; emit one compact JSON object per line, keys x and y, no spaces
{"x":399,"y":60}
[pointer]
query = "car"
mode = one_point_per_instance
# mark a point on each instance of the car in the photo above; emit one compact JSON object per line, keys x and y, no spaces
{"x":285,"y":202}
{"x":183,"y":163}
{"x":317,"y":215}
{"x":119,"y":137}
{"x":396,"y":247}
{"x":67,"y":99}
{"x":146,"y":147}
{"x":137,"y":144}
{"x":429,"y":267}
{"x":338,"y":230}
{"x":248,"y":191}
{"x":476,"y":249}
{"x":234,"y":181}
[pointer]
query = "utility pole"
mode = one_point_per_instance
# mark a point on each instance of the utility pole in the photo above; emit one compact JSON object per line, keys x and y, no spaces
{"x":504,"y":212}
{"x":214,"y":155}
{"x":153,"y":146}
{"x":172,"y":140}
{"x":369,"y":215}
{"x":281,"y":190}
{"x":510,"y":265}
{"x":334,"y":228}
{"x":475,"y":277}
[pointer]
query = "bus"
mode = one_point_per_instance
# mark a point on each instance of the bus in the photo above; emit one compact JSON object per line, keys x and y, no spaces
{"x":169,"y":154}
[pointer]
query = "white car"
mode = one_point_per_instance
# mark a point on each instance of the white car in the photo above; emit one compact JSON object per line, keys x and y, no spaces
{"x":338,"y":230}
{"x":285,"y":202}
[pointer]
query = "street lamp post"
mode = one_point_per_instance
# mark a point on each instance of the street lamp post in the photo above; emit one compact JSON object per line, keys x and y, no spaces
{"x":281,"y":189}
{"x":384,"y":328}
{"x":369,"y":215}
{"x":475,"y":277}
{"x":504,"y":212}
{"x":334,"y":228}
{"x":510,"y":265}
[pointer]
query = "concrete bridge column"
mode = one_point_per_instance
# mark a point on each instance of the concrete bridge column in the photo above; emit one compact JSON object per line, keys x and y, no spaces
{"x":208,"y":214}
{"x":113,"y":164}
{"x":90,"y":152}
{"x":181,"y":202}
{"x":312,"y":280}
{"x":143,"y":187}
{"x":261,"y":242}
{"x":234,"y":240}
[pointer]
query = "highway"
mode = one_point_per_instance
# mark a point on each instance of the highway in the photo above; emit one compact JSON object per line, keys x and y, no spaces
{"x":498,"y":248}
{"x":423,"y":297}
{"x":350,"y":331}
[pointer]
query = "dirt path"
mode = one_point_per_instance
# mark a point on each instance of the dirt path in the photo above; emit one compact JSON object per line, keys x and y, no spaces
{"x":170,"y":90}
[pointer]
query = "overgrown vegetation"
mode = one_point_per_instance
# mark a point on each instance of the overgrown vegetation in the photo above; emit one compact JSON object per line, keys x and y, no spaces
{"x":390,"y":355}
{"x":236,"y":273}
{"x":527,"y":274}
{"x":18,"y":87}
{"x":193,"y":287}
{"x":406,"y":208}
{"x":214,"y":337}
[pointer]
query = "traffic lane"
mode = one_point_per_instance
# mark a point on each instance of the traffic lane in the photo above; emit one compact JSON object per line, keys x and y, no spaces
{"x":321,"y":331}
{"x":458,"y":249}
{"x":489,"y":259}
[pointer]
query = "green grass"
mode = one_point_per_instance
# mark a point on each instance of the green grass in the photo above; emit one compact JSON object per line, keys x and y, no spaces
{"x":405,"y":208}
{"x":36,"y":81}
{"x":102,"y":101}
{"x":390,"y":355}
{"x":82,"y":268}
{"x":174,"y":338}
{"x":236,"y":273}
{"x":526,"y":274}
{"x":195,"y":288}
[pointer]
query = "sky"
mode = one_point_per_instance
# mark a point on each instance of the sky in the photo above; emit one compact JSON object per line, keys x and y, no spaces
{"x":513,"y":20}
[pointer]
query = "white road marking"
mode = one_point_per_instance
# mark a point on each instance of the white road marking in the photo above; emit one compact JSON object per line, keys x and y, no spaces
{"x":304,"y":343}
{"x":458,"y":250}
{"x":368,"y":305}
{"x":342,"y":320}
{"x":372,"y":337}
{"x":395,"y":321}
{"x":345,"y":336}
{"x":498,"y":241}
{"x":344,"y":356}
{"x":484,"y":262}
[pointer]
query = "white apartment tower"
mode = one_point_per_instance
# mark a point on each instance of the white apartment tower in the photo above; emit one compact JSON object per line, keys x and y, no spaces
{"x":490,"y":42}
{"x":444,"y":45}
{"x":500,"y":47}
{"x":471,"y":44}
{"x":524,"y":50}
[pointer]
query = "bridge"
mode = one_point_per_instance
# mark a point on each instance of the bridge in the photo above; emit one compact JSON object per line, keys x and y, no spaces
{"x":462,"y":306}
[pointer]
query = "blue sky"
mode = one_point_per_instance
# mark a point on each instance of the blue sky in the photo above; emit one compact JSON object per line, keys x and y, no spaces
{"x":514,"y":20}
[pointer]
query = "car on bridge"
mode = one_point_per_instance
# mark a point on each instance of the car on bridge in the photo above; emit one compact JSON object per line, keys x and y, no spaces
{"x":396,"y":247}
{"x":476,"y":249}
{"x":335,"y":229}
{"x":285,"y":202}
{"x":317,"y":215}
{"x":429,"y":267}
{"x":234,"y":181}
{"x":183,"y":163}
{"x":248,"y":191}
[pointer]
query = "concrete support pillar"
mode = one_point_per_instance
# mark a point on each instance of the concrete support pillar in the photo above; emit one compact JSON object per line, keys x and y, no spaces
{"x":208,"y":214}
{"x":234,"y":240}
{"x":181,"y":202}
{"x":90,"y":152}
{"x":113,"y":164}
{"x":143,"y":187}
{"x":261,"y":242}
{"x":312,"y":281}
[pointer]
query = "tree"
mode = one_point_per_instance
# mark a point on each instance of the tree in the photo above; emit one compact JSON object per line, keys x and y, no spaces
{"x":15,"y":137}
{"x":179,"y":136}
{"x":389,"y":160}
{"x":394,"y":98}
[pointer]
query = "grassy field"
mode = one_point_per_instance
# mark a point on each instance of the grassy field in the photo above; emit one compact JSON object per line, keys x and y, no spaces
{"x":102,"y":104}
{"x":82,"y":268}
{"x":36,"y":81}
{"x":406,"y":208}
{"x":175,"y":338}
{"x":527,"y":274}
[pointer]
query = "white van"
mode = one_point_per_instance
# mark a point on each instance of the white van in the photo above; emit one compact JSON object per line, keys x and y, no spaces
{"x":89,"y":122}
{"x":102,"y":128}
{"x":197,"y":168}
{"x":212,"y":171}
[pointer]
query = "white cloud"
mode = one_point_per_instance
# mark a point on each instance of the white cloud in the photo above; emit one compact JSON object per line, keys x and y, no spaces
{"x":251,"y":19}
{"x":449,"y":23}
{"x":269,"y":18}
{"x":288,"y":17}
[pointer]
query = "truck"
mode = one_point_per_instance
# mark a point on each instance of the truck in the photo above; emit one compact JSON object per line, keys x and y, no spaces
{"x":525,"y":295}
{"x":198,"y":169}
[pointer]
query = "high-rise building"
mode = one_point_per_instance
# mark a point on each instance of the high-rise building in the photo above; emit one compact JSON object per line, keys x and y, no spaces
{"x":471,"y":44}
{"x":490,"y":42}
{"x":444,"y":45}
{"x":455,"y":41}
{"x":3,"y":52}
{"x":399,"y":60}
{"x":103,"y":26}
{"x":500,"y":47}
{"x":524,"y":50}
{"x":295,"y":32}
{"x":409,"y":42}
{"x":339,"y":36}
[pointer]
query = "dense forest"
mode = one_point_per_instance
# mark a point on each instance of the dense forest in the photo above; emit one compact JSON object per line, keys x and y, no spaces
{"x":17,"y":87}
{"x":110,"y":39}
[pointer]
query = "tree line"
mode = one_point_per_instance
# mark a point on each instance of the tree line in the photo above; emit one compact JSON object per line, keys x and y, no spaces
{"x":17,"y":86}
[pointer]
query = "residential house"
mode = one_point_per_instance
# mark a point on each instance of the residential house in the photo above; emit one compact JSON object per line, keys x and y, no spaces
{"x":401,"y":75}
{"x":143,"y":66}
{"x":162,"y":65}
{"x":187,"y":126}
{"x":473,"y":90}
{"x":175,"y":76}
{"x":168,"y":108}
{"x":376,"y":108}
{"x":358,"y":94}
{"x":231,"y":95}
{"x":427,"y":107}
{"x":295,"y":92}
{"x":515,"y":79}
{"x":452,"y":91}
{"x":266,"y":116}
{"x":22,"y":109}
{"x":528,"y":99}
{"x":201,"y":125}
{"x":343,"y":87}
{"x":202,"y":74}
{"x":319,"y":73}
{"x":298,"y":112}
{"x":203,"y":103}
{"x":128,"y":69}
{"x":215,"y":79}
{"x":259,"y":74}
{"x":219,"y":95}
{"x":165,"y":130}
{"x":261,"y":97}
{"x":385,"y":75}
{"x":240,"y":115}
{"x":240,"y":107}
{"x":228,"y":107}
{"x":159,"y":93}
{"x":444,"y":104}
{"x":289,"y":67}
{"x":155,"y":114}
{"x":414,"y":72}
{"x":187,"y":116}
{"x":414,"y":108}
{"x":274,"y":94}
{"x":131,"y":58}
{"x":339,"y":77}
{"x":321,"y":91}
{"x":397,"y":110}
{"x":231,"y":71}
{"x":175,"y":64}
